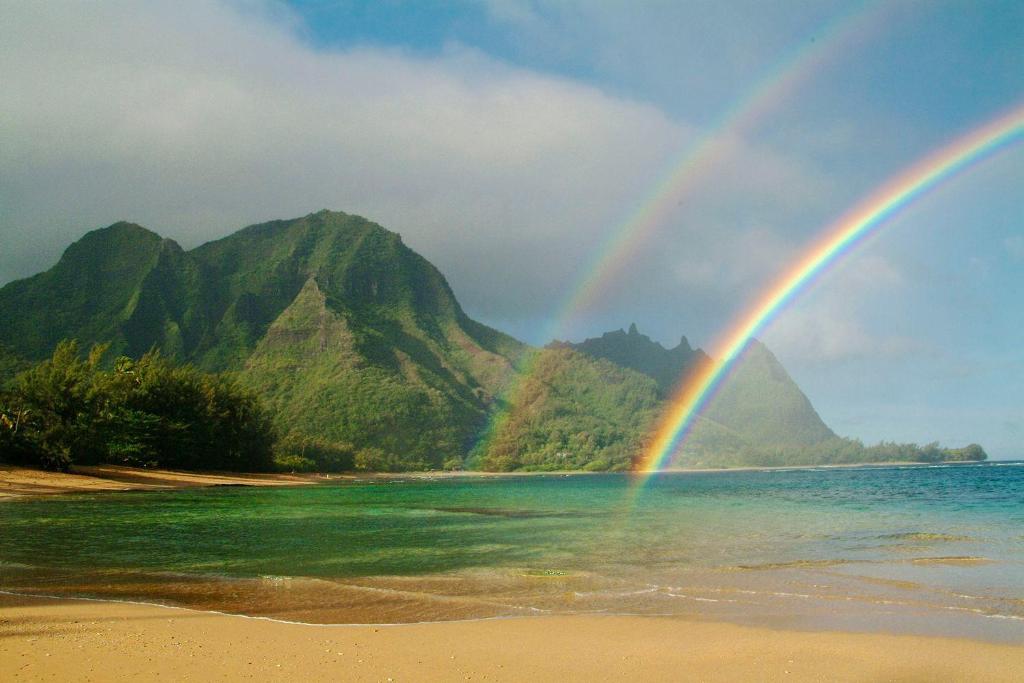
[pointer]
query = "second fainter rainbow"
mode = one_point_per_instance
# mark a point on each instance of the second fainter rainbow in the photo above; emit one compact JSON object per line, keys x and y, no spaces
{"x":839,"y":239}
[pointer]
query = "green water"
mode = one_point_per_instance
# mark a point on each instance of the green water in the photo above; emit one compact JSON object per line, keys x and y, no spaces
{"x":929,"y":549}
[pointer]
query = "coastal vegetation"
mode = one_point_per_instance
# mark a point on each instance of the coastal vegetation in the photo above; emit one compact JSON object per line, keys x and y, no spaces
{"x":570,"y":412}
{"x":324,"y":343}
{"x":146,"y":412}
{"x":833,"y":451}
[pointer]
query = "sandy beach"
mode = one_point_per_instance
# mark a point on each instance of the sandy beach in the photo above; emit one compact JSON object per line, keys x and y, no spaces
{"x":24,"y":481}
{"x":64,"y":639}
{"x":93,"y":641}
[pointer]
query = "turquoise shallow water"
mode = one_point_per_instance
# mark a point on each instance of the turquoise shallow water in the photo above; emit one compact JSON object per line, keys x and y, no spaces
{"x":936,"y":549}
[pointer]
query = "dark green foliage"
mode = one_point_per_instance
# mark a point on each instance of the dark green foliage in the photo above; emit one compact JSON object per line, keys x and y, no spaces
{"x":298,"y":453}
{"x":360,"y":352}
{"x":11,"y":365}
{"x":14,"y":443}
{"x":571,"y":412}
{"x":146,"y":413}
{"x":758,"y":402}
{"x":180,"y":417}
{"x":639,"y":352}
{"x":378,"y":460}
{"x":834,"y":451}
{"x":62,"y":409}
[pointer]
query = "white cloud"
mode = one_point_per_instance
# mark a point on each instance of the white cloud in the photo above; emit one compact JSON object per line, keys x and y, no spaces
{"x":826,"y":335}
{"x":830,"y":323}
{"x":689,"y":55}
{"x":196,"y":118}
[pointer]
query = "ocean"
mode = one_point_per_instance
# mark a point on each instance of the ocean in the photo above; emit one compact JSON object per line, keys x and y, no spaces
{"x":931,"y":549}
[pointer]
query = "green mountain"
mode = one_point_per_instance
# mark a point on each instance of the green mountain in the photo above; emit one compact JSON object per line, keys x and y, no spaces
{"x":758,"y":405}
{"x":570,"y":411}
{"x":91,"y":294}
{"x":639,"y":352}
{"x":357,"y":344}
{"x":346,"y":332}
{"x":762,"y":403}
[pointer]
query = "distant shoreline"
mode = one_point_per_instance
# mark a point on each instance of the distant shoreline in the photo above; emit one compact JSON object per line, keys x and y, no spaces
{"x":18,"y":482}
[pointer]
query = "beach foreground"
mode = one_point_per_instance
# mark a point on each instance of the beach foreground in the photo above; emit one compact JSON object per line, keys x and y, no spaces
{"x":85,"y":640}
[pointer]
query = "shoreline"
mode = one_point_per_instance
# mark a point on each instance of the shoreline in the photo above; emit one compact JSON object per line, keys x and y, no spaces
{"x":82,"y":639}
{"x":17,"y":481}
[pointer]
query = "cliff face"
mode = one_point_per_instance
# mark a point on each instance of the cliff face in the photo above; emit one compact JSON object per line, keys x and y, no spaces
{"x":351,"y":337}
{"x":758,"y":404}
{"x":347,"y":333}
{"x":638,"y":352}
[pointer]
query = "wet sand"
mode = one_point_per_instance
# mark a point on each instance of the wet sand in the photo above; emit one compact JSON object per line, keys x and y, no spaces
{"x":24,"y":481}
{"x":82,"y":640}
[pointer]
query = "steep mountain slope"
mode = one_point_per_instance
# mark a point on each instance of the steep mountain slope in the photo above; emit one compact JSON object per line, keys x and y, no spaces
{"x":351,"y":337}
{"x":762,"y":403}
{"x":91,"y":294}
{"x":570,"y":411}
{"x":346,"y":332}
{"x":639,"y":352}
{"x":758,"y":403}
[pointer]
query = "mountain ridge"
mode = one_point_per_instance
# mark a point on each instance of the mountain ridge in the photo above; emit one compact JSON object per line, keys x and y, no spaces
{"x":758,"y":402}
{"x":350,"y":336}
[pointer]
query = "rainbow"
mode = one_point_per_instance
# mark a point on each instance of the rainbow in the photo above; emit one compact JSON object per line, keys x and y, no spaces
{"x":839,"y":240}
{"x":833,"y":38}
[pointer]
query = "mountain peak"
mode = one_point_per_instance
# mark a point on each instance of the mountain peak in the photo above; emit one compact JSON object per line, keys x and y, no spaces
{"x":759,"y":399}
{"x":89,"y":294}
{"x":122,"y":232}
{"x":641,"y":353}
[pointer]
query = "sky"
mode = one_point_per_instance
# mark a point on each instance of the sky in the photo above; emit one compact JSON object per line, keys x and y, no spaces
{"x":509,"y":140}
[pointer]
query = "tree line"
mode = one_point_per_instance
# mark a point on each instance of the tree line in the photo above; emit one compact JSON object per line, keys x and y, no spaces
{"x":147,"y":412}
{"x":150,"y":412}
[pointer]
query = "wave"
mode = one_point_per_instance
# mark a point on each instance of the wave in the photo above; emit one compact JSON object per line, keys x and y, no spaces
{"x":925,"y":536}
{"x":793,"y":564}
{"x":507,"y":512}
{"x":952,"y":560}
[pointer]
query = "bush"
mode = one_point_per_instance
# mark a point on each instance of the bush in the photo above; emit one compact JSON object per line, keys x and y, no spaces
{"x":146,"y":412}
{"x":378,"y":460}
{"x":294,"y":463}
{"x":60,"y":410}
{"x":296,"y":451}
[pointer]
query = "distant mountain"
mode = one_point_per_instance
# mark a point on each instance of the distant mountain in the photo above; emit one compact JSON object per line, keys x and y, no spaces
{"x":762,"y":403}
{"x":570,"y":411}
{"x":351,"y":337}
{"x":638,"y":352}
{"x":759,"y":404}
